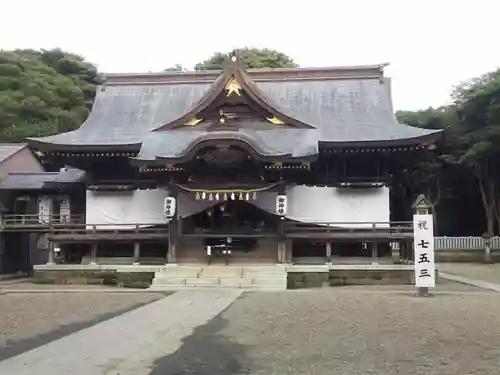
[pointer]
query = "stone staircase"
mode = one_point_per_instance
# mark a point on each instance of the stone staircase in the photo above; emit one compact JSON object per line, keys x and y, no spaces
{"x":249,"y":277}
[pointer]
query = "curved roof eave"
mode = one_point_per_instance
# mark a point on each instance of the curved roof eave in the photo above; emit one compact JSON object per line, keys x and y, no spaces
{"x":254,"y":143}
{"x":46,"y":146}
{"x":422,"y":140}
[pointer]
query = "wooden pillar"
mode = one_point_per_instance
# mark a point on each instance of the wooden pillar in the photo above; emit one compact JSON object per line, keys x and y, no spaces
{"x":402,"y":251}
{"x":173,"y":225}
{"x":328,"y":252}
{"x":281,"y":241}
{"x":93,"y":253}
{"x":52,"y":254}
{"x":281,"y":258}
{"x":396,"y":251}
{"x":137,"y":252}
{"x":2,"y":249}
{"x":172,"y":240}
{"x":374,"y":253}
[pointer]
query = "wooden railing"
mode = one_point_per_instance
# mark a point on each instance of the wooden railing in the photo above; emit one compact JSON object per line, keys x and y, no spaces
{"x":59,"y":225}
{"x":34,"y":222}
{"x":353,"y":230}
{"x":78,"y":232}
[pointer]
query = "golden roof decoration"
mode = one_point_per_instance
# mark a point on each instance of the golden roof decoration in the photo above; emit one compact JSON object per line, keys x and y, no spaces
{"x":233,"y":86}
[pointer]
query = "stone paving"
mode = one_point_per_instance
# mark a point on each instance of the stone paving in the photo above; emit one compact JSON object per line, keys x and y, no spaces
{"x":33,"y":319}
{"x":345,"y":330}
{"x":484,"y":272}
{"x":127,"y":344}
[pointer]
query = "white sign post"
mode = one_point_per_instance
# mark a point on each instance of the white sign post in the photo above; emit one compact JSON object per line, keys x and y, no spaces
{"x":423,"y":237}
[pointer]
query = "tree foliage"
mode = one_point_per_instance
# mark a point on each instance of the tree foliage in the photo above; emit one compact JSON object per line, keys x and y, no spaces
{"x":43,"y":92}
{"x":175,"y":68}
{"x":249,"y":58}
{"x":465,"y":162}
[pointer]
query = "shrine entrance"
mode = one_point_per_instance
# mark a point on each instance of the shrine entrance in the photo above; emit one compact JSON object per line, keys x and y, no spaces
{"x":232,"y":231}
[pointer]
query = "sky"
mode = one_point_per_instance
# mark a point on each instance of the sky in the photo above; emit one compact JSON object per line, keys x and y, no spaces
{"x":431,"y":45}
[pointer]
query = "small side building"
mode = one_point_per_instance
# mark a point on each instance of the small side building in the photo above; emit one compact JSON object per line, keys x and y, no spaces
{"x":31,"y":200}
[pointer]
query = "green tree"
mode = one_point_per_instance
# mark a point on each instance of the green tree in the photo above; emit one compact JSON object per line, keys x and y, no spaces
{"x":477,"y":104}
{"x":430,"y":176}
{"x":249,"y":58}
{"x":175,"y":68}
{"x":43,"y":92}
{"x":461,"y":175}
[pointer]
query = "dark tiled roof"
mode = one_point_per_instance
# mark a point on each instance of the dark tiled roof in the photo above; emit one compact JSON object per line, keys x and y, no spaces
{"x":345,"y":110}
{"x":41,"y":180}
{"x":9,"y":149}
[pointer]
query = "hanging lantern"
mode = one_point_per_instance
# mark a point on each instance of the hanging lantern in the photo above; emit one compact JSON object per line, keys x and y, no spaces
{"x":216,"y":196}
{"x":210,"y":197}
{"x":240,"y":196}
{"x":254,"y":195}
{"x":197,"y":195}
{"x":247,"y":196}
{"x":225,"y":196}
{"x":233,"y":196}
{"x":204,"y":195}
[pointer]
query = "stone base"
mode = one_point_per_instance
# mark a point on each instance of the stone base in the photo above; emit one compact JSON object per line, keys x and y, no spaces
{"x":465,"y":256}
{"x":371,"y":277}
{"x":88,"y":277}
{"x":277,"y":277}
{"x":338,"y":275}
{"x":129,"y":277}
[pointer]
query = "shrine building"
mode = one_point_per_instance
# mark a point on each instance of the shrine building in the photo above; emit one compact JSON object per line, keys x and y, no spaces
{"x":256,"y":166}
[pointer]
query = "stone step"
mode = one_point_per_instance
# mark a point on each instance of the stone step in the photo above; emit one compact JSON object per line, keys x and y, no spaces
{"x":234,"y":281}
{"x":221,"y":271}
{"x":180,"y":271}
{"x":256,"y":288}
{"x":169,"y":281}
{"x":265,"y":271}
{"x":253,"y":277}
{"x":163,"y":288}
{"x":201,"y":281}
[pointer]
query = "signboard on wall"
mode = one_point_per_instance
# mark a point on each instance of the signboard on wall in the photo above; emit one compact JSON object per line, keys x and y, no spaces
{"x":44,"y":209}
{"x":425,"y":269}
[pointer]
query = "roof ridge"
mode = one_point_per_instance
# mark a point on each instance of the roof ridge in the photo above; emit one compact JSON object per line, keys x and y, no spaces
{"x":261,"y":74}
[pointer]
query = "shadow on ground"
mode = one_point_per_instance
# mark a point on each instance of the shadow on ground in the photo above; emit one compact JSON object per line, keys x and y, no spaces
{"x":205,"y":352}
{"x":17,"y":347}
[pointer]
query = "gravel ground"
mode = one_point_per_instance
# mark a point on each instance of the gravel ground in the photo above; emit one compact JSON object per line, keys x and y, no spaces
{"x":28,"y":285}
{"x":30,"y":320}
{"x":484,"y":272}
{"x":347,"y":331}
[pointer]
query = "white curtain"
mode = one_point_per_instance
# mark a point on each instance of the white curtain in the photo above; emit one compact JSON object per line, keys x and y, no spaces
{"x":114,"y":210}
{"x":347,"y":207}
{"x":344,"y":206}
